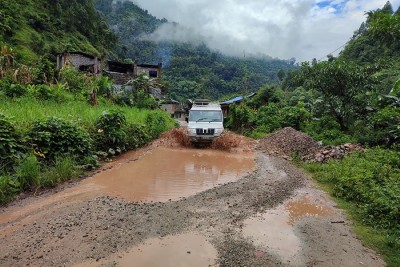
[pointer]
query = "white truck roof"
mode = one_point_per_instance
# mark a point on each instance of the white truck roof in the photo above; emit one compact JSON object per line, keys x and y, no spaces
{"x":211,"y":106}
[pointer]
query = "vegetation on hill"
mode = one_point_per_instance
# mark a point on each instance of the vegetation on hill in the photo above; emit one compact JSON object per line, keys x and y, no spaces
{"x":37,"y":28}
{"x":192,"y":69}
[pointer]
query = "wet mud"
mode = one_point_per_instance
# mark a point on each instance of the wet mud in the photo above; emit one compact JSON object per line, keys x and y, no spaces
{"x":240,"y":210}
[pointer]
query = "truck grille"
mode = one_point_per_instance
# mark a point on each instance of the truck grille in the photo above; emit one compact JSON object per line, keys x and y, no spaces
{"x":200,"y":131}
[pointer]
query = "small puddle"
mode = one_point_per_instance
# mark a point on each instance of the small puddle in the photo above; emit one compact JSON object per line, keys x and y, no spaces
{"x":169,"y":174}
{"x":181,"y":250}
{"x":274,"y":231}
{"x":303,"y":207}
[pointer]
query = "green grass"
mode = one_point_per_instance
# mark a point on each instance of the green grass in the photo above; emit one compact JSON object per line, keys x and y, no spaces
{"x":367,"y":185}
{"x":26,"y":110}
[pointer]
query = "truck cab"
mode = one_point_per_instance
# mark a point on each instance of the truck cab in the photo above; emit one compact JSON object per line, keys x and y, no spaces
{"x":205,"y":122}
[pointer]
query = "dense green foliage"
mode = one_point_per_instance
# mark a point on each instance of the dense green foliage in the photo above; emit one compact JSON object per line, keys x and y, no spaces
{"x":44,"y":28}
{"x":58,"y":137}
{"x":192,"y":70}
{"x":11,"y":148}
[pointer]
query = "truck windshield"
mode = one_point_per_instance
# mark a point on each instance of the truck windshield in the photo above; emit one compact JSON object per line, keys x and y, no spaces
{"x":205,"y":115}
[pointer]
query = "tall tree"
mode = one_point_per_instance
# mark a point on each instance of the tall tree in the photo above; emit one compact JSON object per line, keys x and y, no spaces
{"x":387,"y":8}
{"x":344,"y":87}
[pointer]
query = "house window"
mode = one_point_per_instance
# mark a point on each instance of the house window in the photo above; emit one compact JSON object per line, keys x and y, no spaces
{"x":153,"y":73}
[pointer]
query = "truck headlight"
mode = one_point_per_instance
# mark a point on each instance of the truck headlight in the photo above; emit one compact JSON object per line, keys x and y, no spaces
{"x":219,"y":131}
{"x":191,"y":131}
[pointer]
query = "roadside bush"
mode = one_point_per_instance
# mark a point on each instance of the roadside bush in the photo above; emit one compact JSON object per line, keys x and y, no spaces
{"x":56,"y":136}
{"x":155,"y":124}
{"x":136,"y":136}
{"x":11,"y":144}
{"x":9,"y":187}
{"x":110,"y":135}
{"x":370,"y":179}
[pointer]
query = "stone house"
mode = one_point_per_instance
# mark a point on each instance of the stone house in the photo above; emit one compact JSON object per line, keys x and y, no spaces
{"x":153,"y":71}
{"x":81,"y":61}
{"x":122,"y":73}
{"x":174,"y":108}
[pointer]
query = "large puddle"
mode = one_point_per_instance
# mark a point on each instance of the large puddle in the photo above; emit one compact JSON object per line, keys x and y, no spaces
{"x":160,"y":174}
{"x":169,"y":174}
{"x":173,"y":251}
{"x":274,"y":231}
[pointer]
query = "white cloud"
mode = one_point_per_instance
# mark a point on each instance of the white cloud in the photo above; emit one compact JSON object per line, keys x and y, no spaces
{"x":286,"y":28}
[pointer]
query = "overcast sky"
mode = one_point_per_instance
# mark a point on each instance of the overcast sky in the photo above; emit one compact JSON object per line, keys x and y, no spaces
{"x":303,"y":29}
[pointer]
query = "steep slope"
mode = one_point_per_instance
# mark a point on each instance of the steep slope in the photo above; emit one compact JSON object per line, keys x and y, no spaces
{"x":38,"y":27}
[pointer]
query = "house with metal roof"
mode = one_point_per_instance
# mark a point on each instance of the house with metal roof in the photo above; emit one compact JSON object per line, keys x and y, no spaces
{"x":225,"y":104}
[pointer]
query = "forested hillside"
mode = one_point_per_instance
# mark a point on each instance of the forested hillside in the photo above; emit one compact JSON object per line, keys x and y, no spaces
{"x":36,"y":28}
{"x":192,"y":69}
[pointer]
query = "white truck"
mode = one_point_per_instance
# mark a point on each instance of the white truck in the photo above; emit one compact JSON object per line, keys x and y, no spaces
{"x":205,"y":122}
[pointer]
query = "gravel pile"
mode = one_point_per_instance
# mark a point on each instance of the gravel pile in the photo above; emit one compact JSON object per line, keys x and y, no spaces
{"x":288,"y":141}
{"x":332,"y":152}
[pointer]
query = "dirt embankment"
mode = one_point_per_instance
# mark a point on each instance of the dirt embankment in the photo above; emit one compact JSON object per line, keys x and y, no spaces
{"x":236,"y":218}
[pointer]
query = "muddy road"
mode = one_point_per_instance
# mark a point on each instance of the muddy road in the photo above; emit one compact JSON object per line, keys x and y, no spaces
{"x":175,"y":206}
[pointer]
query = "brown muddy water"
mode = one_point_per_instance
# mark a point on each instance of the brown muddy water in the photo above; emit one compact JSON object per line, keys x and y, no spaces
{"x":169,"y":174}
{"x":274,"y":231}
{"x":159,"y":174}
{"x":182,"y":250}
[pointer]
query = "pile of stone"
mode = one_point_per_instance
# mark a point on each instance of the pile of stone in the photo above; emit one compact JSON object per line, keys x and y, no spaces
{"x":288,"y":143}
{"x":332,"y":152}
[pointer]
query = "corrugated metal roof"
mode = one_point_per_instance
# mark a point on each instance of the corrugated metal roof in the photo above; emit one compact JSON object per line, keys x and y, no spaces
{"x":236,"y":99}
